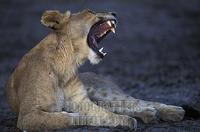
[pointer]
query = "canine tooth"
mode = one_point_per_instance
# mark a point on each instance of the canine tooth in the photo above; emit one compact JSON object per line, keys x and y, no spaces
{"x":113,"y":22}
{"x":101,"y":49}
{"x":104,"y":54}
{"x":113,"y":30}
{"x":109,"y":23}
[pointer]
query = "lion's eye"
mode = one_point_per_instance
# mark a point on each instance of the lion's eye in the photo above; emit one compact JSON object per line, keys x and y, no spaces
{"x":91,"y":12}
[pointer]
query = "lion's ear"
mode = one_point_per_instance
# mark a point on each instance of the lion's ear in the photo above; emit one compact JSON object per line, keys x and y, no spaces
{"x":53,"y":19}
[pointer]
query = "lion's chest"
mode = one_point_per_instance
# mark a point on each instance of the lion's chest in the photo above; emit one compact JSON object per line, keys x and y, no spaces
{"x":59,"y":99}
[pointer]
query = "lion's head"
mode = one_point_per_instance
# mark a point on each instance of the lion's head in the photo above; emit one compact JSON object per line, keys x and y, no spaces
{"x":86,"y":29}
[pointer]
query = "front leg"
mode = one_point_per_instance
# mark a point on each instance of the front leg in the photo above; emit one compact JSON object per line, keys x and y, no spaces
{"x":148,"y":111}
{"x":166,"y":112}
{"x":77,"y":101}
{"x":100,"y":89}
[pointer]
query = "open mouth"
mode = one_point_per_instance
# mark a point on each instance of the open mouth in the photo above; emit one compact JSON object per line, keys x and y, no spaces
{"x":97,"y":32}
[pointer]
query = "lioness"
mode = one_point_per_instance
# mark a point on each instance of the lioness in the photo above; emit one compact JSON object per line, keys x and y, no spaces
{"x":45,"y":89}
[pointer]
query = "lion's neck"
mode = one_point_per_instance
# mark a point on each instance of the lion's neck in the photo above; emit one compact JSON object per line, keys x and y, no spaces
{"x":67,"y":57}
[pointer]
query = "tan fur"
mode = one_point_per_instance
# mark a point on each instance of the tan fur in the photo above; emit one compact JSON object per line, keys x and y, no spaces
{"x":46,"y":92}
{"x":46,"y":78}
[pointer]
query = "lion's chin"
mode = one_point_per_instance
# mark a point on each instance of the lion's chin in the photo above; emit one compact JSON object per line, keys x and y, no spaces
{"x":93,"y":57}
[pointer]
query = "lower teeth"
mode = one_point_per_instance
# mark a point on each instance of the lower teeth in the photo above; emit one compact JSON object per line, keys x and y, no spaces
{"x":101,"y":51}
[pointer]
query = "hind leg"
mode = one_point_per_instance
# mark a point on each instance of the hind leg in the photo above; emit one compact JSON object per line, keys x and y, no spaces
{"x":112,"y":98}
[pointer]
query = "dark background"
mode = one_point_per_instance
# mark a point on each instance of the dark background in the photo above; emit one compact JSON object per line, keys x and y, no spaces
{"x":155,"y":54}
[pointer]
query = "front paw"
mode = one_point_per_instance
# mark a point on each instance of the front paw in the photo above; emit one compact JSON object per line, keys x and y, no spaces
{"x":127,"y":122}
{"x":171,"y":113}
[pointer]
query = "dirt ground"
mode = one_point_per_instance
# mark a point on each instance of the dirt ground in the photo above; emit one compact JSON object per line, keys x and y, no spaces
{"x":155,"y":54}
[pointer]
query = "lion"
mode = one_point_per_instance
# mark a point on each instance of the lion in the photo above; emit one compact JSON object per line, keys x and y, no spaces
{"x":47,"y":92}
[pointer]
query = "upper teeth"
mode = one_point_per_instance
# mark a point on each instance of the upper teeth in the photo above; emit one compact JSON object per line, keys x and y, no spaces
{"x":109,"y":23}
{"x":103,"y":33}
{"x":113,"y":30}
{"x":113,"y":22}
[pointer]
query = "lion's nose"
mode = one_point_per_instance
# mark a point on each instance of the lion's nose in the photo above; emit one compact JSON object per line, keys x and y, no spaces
{"x":114,"y":14}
